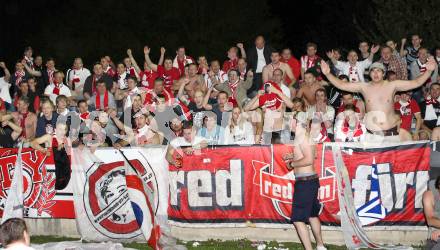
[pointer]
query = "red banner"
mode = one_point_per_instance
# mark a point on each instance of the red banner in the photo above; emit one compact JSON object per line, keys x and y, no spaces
{"x":234,"y":184}
{"x":41,"y":200}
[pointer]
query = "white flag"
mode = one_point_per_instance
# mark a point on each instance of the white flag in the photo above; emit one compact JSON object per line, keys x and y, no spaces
{"x":14,"y":201}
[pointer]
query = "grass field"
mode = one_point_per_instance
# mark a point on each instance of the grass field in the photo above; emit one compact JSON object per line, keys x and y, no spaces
{"x":208,"y":245}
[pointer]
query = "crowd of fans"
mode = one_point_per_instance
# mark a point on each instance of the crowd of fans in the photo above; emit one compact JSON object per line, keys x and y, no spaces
{"x":259,"y":96}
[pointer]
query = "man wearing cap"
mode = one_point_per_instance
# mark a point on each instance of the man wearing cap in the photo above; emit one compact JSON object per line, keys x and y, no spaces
{"x":380,"y":119}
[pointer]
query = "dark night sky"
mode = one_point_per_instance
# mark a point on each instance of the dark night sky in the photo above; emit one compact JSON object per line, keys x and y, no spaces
{"x":44,"y":24}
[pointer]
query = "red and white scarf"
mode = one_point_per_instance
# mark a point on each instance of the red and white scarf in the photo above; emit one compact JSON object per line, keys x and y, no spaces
{"x":57,"y":88}
{"x":22,"y":119}
{"x":98,"y":101}
{"x":84,"y":116}
{"x":19,"y":76}
{"x":50,"y":75}
{"x":353,"y":74}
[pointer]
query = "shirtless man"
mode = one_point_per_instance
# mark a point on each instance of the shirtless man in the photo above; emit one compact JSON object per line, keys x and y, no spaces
{"x":431,"y":201}
{"x":193,"y":82}
{"x":309,"y":87}
{"x":380,"y":118}
{"x":277,"y":64}
{"x":306,"y":207}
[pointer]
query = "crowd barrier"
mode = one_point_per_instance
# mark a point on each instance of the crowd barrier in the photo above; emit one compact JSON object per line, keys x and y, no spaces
{"x":219,"y":187}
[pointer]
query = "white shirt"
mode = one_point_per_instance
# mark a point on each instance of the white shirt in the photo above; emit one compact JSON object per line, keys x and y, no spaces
{"x":261,"y":61}
{"x":244,"y":135}
{"x":4,"y":90}
{"x":329,"y":115}
{"x":181,"y":142}
{"x":360,"y":68}
{"x":221,"y":77}
{"x":285,"y":89}
{"x":64,"y":90}
{"x":81,"y":74}
{"x":19,"y":246}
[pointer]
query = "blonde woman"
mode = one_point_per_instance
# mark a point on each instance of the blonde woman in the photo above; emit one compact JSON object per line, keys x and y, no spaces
{"x":239,"y":130}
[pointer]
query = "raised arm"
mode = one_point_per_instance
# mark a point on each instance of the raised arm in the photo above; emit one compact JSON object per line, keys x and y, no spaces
{"x":180,"y":94}
{"x":31,"y":71}
{"x":133,"y":62}
{"x":254,"y":103}
{"x":346,"y":86}
{"x":402,"y":85}
{"x":373,"y":51}
{"x":206,"y":98}
{"x":162,"y":55}
{"x":5,"y":69}
{"x":402,"y":48}
{"x":285,"y":99}
{"x":242,"y":51}
{"x":150,"y":64}
{"x":331,"y":56}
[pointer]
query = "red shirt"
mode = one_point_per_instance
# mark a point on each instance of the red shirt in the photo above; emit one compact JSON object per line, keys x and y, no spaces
{"x":407,"y":112}
{"x":230,"y":64}
{"x":169,"y":76}
{"x":271,"y":100}
{"x":109,"y":71}
{"x":181,"y":63}
{"x":147,"y":78}
{"x":295,"y":66}
{"x":342,"y":107}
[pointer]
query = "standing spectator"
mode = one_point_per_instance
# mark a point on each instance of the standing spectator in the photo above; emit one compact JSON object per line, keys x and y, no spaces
{"x":27,"y":89}
{"x":411,"y":52}
{"x":15,"y":235}
{"x":239,"y":130}
{"x":48,"y":75}
{"x":393,"y":63}
{"x":311,"y":59}
{"x":107,"y":66}
{"x":353,"y":68}
{"x":26,"y":119}
{"x":192,"y":82}
{"x":185,"y":144}
{"x":9,"y":131}
{"x":167,"y":72}
{"x":203,"y":65}
{"x":417,"y":68}
{"x":19,"y":75}
{"x":5,"y":95}
{"x":294,"y":64}
{"x":121,"y":76}
{"x":47,"y":120}
{"x":242,"y":68}
{"x":322,"y":116}
{"x":257,"y":58}
{"x":222,"y":108}
{"x":337,"y":56}
{"x":274,"y":65}
{"x":102,"y":99}
{"x":407,"y":107}
{"x":27,"y":57}
{"x":146,"y":76}
{"x":432,"y":108}
{"x":90,"y":83}
{"x":233,"y":57}
{"x":309,"y":87}
{"x":216,"y":71}
{"x":364,"y":48}
{"x":76,"y":78}
{"x":57,"y":87}
{"x":182,"y":59}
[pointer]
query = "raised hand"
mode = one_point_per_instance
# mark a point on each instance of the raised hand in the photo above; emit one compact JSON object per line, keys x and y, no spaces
{"x":2,"y":65}
{"x":375,"y":49}
{"x":325,"y":69}
{"x":162,"y":50}
{"x":240,"y":45}
{"x":129,"y":52}
{"x":146,"y":50}
{"x":403,"y":40}
{"x":431,"y":64}
{"x":211,"y":74}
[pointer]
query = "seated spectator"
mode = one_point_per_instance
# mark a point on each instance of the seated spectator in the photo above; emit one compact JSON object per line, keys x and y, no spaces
{"x":25,"y":119}
{"x":9,"y":131}
{"x":102,"y":99}
{"x":58,"y":142}
{"x":57,"y":87}
{"x":353,"y":68}
{"x":167,"y":72}
{"x":271,"y":104}
{"x":234,"y":86}
{"x":14,"y":235}
{"x":27,"y":89}
{"x":47,"y":120}
{"x":431,"y":204}
{"x":76,"y":78}
{"x":213,"y":133}
{"x":321,"y":116}
{"x":242,"y":68}
{"x":348,"y":125}
{"x":408,"y":108}
{"x":92,"y":80}
{"x":239,"y":130}
{"x":185,"y":144}
{"x":393,"y":63}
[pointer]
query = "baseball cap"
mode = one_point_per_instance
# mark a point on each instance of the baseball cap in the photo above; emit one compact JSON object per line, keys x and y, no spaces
{"x":377,"y":65}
